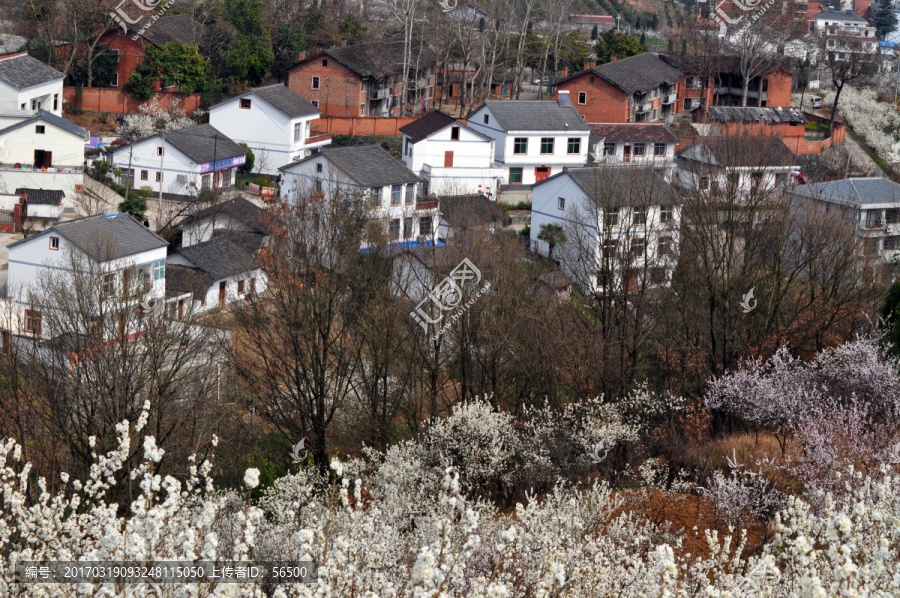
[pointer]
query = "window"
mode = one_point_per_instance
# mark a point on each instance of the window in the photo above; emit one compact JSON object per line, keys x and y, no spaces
{"x":22,"y":107}
{"x":666,"y":214}
{"x":396,"y":191}
{"x":639,"y":215}
{"x":315,"y":83}
{"x":226,"y":177}
{"x":515,"y":175}
{"x":145,"y":175}
{"x":245,"y":103}
{"x":520,"y":145}
{"x":546,"y":145}
{"x":592,"y":79}
{"x":376,"y":194}
{"x":612,"y":217}
{"x":298,"y":131}
{"x":486,"y":119}
{"x":733,"y":179}
{"x":425,"y":226}
{"x":205,"y":181}
{"x":115,"y":81}
{"x":116,"y":54}
{"x":315,"y":103}
{"x":35,"y":105}
{"x":664,"y":246}
{"x":109,"y":284}
{"x":33,"y":321}
{"x":640,"y":149}
{"x":159,"y":151}
{"x":158,"y":176}
{"x":240,"y":287}
{"x":410,"y":193}
{"x":704,"y":183}
{"x":395,"y":229}
{"x":609,"y":148}
{"x":637,"y":247}
{"x":561,"y":203}
{"x":756,"y":178}
{"x":582,"y":98}
{"x":891,"y":243}
{"x":454,"y":133}
{"x":253,"y":284}
{"x":159,"y":269}
{"x":317,"y":185}
{"x":893,"y":216}
{"x":609,"y":248}
{"x":54,"y":243}
{"x":319,"y":167}
{"x":40,"y":129}
{"x":659,"y":149}
{"x":324,"y":62}
{"x":407,"y":228}
{"x":574,"y":145}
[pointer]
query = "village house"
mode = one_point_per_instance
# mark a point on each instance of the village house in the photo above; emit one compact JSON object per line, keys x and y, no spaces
{"x":647,"y":144}
{"x":236,"y":218}
{"x":533,"y":139}
{"x":41,"y":151}
{"x":451,"y":157}
{"x":788,"y":124}
{"x":27,"y":86}
{"x":365,"y":79}
{"x":463,"y":215}
{"x":274,"y":122}
{"x":846,"y":33}
{"x":586,"y":23}
{"x":621,"y":225}
{"x":180,"y":163}
{"x":393,"y":192}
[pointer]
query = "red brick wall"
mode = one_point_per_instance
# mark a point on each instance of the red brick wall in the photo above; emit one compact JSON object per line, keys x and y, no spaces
{"x":779,"y":92}
{"x":131,"y":53}
{"x":361,"y":125}
{"x":604,"y":103}
{"x":340,"y":90}
{"x":106,"y":99}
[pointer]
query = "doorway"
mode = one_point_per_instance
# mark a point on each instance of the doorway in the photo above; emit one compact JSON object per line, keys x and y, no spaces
{"x":541,"y":173}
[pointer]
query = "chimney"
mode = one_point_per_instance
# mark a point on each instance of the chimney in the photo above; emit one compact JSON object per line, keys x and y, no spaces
{"x":594,"y":62}
{"x":564,"y":74}
{"x":587,"y":65}
{"x":830,"y":9}
{"x":301,"y":56}
{"x":611,"y":58}
{"x":343,"y":43}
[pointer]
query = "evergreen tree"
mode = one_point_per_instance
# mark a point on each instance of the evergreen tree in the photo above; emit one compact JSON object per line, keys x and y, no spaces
{"x":594,"y":32}
{"x":885,"y":18}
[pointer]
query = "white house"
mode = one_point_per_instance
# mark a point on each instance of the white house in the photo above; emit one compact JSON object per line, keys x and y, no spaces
{"x":621,"y":225}
{"x":238,"y":216}
{"x":736,"y":166}
{"x":28,"y":85}
{"x":274,"y":122}
{"x":392,"y":190}
{"x":451,"y":157}
{"x":41,"y":151}
{"x":846,"y":33}
{"x":129,"y":257}
{"x":214,"y":273}
{"x":871,"y":204}
{"x":181,"y":162}
{"x":534,"y":139}
{"x":642,"y":144}
{"x":467,"y":214}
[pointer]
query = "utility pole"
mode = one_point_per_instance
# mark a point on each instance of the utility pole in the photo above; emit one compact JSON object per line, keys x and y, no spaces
{"x":130,"y":172}
{"x":159,"y":207}
{"x":617,"y":23}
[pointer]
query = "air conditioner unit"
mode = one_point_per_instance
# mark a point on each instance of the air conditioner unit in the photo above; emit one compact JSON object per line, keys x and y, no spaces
{"x":181,"y":178}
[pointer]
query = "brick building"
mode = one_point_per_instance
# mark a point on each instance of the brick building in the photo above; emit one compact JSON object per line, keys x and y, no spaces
{"x":364,"y":80}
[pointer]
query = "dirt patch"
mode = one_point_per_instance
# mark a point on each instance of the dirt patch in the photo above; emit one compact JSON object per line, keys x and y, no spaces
{"x":100,"y":124}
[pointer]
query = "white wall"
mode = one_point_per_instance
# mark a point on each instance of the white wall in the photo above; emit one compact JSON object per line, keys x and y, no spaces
{"x":470,"y":151}
{"x":202,"y":230}
{"x":11,"y":99}
{"x":459,"y":181}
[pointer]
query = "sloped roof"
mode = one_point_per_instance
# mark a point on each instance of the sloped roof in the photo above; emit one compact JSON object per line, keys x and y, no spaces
{"x":176,"y":28}
{"x":639,"y":73}
{"x":604,"y":19}
{"x":617,"y":186}
{"x":239,"y":208}
{"x":847,"y":16}
{"x":23,"y":71}
{"x":185,"y":279}
{"x":49,"y":118}
{"x":285,"y":100}
{"x":430,"y":123}
{"x":219,"y":258}
{"x":462,"y":211}
{"x":249,"y":243}
{"x":534,"y":115}
{"x":373,"y":59}
{"x":106,"y":237}
{"x":735,"y":152}
{"x":854,"y":191}
{"x":203,"y":143}
{"x":751,"y":114}
{"x":648,"y":132}
{"x":46,"y":197}
{"x":367,"y":165}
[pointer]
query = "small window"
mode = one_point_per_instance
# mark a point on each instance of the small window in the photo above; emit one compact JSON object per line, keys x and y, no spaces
{"x":704,"y":183}
{"x":515,"y":175}
{"x":610,"y":248}
{"x":115,"y":81}
{"x":22,"y":107}
{"x":145,"y":175}
{"x":319,"y":167}
{"x":315,"y":103}
{"x":561,"y":203}
{"x":592,"y":80}
{"x":666,"y":214}
{"x":159,"y":269}
{"x":659,"y":149}
{"x":520,"y":145}
{"x":637,"y":247}
{"x":39,"y":129}
{"x":664,"y":246}
{"x":396,"y":191}
{"x":612,"y":217}
{"x":486,"y":119}
{"x":425,"y":226}
{"x":454,"y":134}
{"x":116,"y":54}
{"x":54,"y":243}
{"x":317,"y":186}
{"x":609,"y":148}
{"x":298,"y":131}
{"x":315,"y":83}
{"x":574,"y":145}
{"x":376,"y":194}
{"x":546,"y":145}
{"x":410,"y":193}
{"x":639,"y":215}
{"x":240,"y":287}
{"x":407,"y":228}
{"x":582,"y":98}
{"x":640,"y":149}
{"x":324,"y":62}
{"x":395,"y":229}
{"x":159,"y":151}
{"x":33,"y":320}
{"x":159,"y":177}
{"x":245,"y":103}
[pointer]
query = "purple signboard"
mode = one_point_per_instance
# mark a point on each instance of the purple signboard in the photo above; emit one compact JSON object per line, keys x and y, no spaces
{"x":222,"y":164}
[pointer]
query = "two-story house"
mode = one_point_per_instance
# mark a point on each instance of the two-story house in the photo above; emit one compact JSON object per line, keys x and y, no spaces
{"x":236,"y":218}
{"x":647,"y":144}
{"x":846,"y":33}
{"x":180,"y":163}
{"x":641,"y":88}
{"x":366,"y":172}
{"x":28,"y":85}
{"x":451,"y":157}
{"x":365,"y":79}
{"x":621,"y":225}
{"x":274,"y":122}
{"x":533,"y":139}
{"x":871,"y":205}
{"x":41,"y":151}
{"x":127,"y":258}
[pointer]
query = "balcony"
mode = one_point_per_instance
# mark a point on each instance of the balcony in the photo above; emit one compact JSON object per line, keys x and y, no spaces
{"x":426,"y":204}
{"x":69,"y":169}
{"x":422,"y":83}
{"x":645,"y":107}
{"x":380,"y":94}
{"x":318,"y":138}
{"x":670,"y":98}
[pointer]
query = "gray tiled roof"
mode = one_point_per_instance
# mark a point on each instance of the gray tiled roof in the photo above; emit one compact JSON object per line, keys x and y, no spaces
{"x":25,"y":71}
{"x":285,"y":100}
{"x":219,"y":258}
{"x":736,"y":152}
{"x":535,"y":115}
{"x":618,"y":186}
{"x":424,"y":126}
{"x":106,"y":237}
{"x":239,"y":208}
{"x":463,"y":211}
{"x":367,"y":165}
{"x":639,"y":73}
{"x":630,"y":132}
{"x":840,"y":16}
{"x":751,"y":114}
{"x":203,"y":143}
{"x":853,"y":191}
{"x":249,"y":243}
{"x":176,"y":28}
{"x":375,"y":59}
{"x":48,"y":197}
{"x":185,"y":279}
{"x":49,"y":118}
